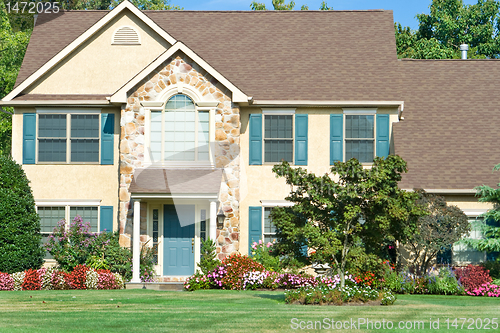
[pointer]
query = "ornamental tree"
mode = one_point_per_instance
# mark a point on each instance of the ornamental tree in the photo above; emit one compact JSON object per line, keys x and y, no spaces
{"x":344,"y":213}
{"x":20,"y":238}
{"x":437,"y":231}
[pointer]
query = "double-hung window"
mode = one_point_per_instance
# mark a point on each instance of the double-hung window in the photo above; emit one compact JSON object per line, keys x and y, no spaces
{"x":362,"y":134}
{"x":278,"y":138}
{"x":360,"y":137}
{"x":463,"y":254}
{"x":51,"y":215}
{"x":68,"y":138}
{"x":180,"y":132}
{"x":269,"y":230}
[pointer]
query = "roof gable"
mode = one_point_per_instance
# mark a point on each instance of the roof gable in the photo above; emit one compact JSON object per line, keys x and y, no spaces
{"x":78,"y":42}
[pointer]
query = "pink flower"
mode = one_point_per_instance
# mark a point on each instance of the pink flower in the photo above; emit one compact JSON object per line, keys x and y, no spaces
{"x":260,"y":241}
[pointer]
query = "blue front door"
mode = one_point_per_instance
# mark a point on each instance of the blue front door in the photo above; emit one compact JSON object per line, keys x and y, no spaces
{"x":178,"y":252}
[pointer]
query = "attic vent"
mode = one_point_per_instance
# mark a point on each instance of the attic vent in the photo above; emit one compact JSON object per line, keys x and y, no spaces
{"x":126,"y":36}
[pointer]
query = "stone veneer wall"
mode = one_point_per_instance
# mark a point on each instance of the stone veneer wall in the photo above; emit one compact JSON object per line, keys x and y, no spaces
{"x":180,"y":68}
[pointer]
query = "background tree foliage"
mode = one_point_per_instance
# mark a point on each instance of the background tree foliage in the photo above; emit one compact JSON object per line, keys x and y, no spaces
{"x":449,"y":24}
{"x":437,"y":231}
{"x":281,"y":5}
{"x":348,"y":212}
{"x":491,"y":228}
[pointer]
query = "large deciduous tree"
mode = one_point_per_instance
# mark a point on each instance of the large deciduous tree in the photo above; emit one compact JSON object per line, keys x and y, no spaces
{"x":437,"y":231}
{"x":349,"y":210}
{"x":449,"y":24}
{"x":281,"y":5}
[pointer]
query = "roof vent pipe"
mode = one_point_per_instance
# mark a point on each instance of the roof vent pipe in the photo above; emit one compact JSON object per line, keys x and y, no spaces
{"x":464,"y":48}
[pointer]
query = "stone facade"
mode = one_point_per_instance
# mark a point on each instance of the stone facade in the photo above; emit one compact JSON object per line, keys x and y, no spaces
{"x":181,"y":69}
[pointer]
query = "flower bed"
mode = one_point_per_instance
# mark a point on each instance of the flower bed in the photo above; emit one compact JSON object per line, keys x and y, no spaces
{"x":82,"y":277}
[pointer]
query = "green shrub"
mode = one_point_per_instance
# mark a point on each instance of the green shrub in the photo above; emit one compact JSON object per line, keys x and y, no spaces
{"x":208,"y":259}
{"x":20,"y":239}
{"x":263,"y":253}
{"x":444,"y":283}
{"x":493,"y":267}
{"x":388,"y":298}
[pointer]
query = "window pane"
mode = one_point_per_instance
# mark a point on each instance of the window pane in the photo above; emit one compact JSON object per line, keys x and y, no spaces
{"x":180,"y":129}
{"x":52,"y":150}
{"x":361,"y":127}
{"x":278,"y":126}
{"x":362,"y":150}
{"x":85,"y":126}
{"x":277,"y":150}
{"x":268,"y":225}
{"x":52,"y":126}
{"x":85,"y":150}
{"x":88,"y":214}
{"x":49,"y":217}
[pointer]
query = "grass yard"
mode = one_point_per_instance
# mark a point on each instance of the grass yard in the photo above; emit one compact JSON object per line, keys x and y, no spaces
{"x":224,"y":311}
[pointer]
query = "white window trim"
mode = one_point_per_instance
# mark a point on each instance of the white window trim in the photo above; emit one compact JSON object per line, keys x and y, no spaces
{"x":360,"y":112}
{"x":68,"y":113}
{"x":272,"y":204}
{"x":280,"y":112}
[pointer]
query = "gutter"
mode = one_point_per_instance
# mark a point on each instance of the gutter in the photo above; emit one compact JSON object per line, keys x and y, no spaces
{"x":305,"y":103}
{"x":446,"y":191}
{"x":56,"y":103}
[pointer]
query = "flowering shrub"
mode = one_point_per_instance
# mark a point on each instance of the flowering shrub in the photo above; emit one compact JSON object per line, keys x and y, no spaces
{"x":472,"y":277}
{"x":18,"y":280}
{"x":487,"y":289}
{"x":388,"y":298}
{"x":91,"y":279}
{"x":253,"y":280}
{"x":445,"y":282}
{"x":77,"y":277}
{"x":31,"y":280}
{"x":120,"y":284}
{"x":46,"y":277}
{"x":229,"y":275}
{"x":366,"y":279}
{"x":262,"y":253}
{"x":6,"y":281}
{"x":197,"y":281}
{"x":106,"y":279}
{"x":331,"y":295}
{"x":59,"y":280}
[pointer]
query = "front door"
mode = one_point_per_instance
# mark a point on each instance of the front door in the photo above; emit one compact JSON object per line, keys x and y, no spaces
{"x":178,"y":250}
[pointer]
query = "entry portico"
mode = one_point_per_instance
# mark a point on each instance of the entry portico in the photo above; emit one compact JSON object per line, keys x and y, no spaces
{"x":181,"y":211}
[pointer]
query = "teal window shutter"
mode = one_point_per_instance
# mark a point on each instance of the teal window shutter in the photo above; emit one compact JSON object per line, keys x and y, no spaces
{"x":29,"y":138}
{"x":255,"y":131}
{"x":107,"y":138}
{"x":382,"y":135}
{"x":106,"y":218}
{"x":336,"y":138}
{"x":301,"y":139}
{"x":254,"y":226}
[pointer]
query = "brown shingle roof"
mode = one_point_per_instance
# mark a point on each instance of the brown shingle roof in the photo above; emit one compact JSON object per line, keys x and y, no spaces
{"x":270,"y":55}
{"x":54,"y":97}
{"x":176,"y":181}
{"x":450,"y":134}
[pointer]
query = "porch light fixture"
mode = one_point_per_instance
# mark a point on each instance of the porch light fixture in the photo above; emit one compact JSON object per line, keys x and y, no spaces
{"x":220,"y":219}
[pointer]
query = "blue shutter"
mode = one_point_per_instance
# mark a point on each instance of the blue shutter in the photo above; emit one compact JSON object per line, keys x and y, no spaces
{"x":336,"y":138}
{"x":301,"y":139}
{"x":382,"y":135}
{"x":29,"y":138}
{"x":107,"y":138}
{"x":106,"y":218}
{"x":254,"y":226}
{"x":255,"y":131}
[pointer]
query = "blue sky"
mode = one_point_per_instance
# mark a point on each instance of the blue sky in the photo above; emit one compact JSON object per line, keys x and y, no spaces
{"x":404,"y":10}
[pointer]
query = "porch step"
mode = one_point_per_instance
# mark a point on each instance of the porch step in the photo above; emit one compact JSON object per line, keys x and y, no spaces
{"x":156,"y":285}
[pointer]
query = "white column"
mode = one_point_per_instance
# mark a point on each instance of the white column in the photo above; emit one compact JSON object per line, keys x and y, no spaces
{"x":213,"y":220}
{"x":136,"y":238}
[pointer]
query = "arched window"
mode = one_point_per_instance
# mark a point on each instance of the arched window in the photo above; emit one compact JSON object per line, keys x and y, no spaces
{"x":180,"y":132}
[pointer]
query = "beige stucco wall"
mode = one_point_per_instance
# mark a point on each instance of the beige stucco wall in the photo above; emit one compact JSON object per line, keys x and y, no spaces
{"x":258,"y":181}
{"x":97,"y":67}
{"x":70,"y":181}
{"x":466,"y":202}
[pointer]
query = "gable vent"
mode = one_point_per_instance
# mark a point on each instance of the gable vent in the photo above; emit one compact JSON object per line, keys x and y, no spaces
{"x":126,"y":36}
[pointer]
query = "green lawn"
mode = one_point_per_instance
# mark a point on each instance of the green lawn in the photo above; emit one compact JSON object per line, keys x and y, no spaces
{"x":220,"y":311}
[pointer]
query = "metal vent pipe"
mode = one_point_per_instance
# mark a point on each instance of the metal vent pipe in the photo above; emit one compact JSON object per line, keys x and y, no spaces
{"x":464,"y":48}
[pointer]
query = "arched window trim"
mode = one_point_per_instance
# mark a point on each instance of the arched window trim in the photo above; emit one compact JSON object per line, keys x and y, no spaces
{"x":195,"y":98}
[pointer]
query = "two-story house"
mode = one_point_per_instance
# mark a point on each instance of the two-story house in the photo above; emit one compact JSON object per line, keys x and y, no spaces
{"x":165,"y":125}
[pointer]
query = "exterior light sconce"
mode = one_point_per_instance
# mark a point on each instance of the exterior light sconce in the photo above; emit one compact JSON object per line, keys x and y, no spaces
{"x":220,"y":219}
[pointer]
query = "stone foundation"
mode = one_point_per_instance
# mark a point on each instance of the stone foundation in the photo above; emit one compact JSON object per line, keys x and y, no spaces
{"x":181,"y":69}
